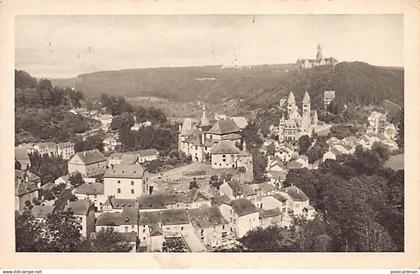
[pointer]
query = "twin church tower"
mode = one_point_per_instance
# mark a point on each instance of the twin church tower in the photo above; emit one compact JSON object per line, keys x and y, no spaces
{"x":297,"y":124}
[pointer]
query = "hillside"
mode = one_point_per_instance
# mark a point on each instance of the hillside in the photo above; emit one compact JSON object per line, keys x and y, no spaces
{"x":254,"y":86}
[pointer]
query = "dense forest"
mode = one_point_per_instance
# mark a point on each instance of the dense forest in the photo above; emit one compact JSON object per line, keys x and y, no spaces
{"x":255,"y":86}
{"x":41,"y":111}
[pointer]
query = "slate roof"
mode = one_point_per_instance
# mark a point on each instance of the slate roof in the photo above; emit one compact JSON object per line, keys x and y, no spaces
{"x":243,"y":207}
{"x":39,"y":211}
{"x":296,"y":193}
{"x":174,"y":217}
{"x":281,"y":175}
{"x":90,"y":157}
{"x":262,"y":188}
{"x":224,"y":127}
{"x":161,"y":201}
{"x":124,"y":171}
{"x":148,"y":152}
{"x":90,"y":189}
{"x":225,"y":147}
{"x":294,"y":165}
{"x":281,"y":197}
{"x":150,"y":218}
{"x":78,"y":207}
{"x":206,"y":217}
{"x":129,"y":216}
{"x":269,"y":213}
{"x":121,"y":203}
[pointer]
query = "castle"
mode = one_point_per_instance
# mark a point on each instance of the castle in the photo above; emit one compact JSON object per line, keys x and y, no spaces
{"x":297,"y":124}
{"x":318,"y":61}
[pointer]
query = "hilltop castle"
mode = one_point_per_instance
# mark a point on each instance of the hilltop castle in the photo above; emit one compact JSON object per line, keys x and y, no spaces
{"x":296,"y":124}
{"x":318,"y":61}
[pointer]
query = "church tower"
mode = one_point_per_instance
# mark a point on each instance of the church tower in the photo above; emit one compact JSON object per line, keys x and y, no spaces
{"x":306,"y":113}
{"x":204,"y":120}
{"x":291,"y":106}
{"x":282,"y":125}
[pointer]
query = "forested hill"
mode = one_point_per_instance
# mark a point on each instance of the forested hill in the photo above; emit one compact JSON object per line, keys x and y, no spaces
{"x":256,"y":85}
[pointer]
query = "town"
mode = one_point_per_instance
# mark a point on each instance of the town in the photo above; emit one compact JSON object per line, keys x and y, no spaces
{"x":224,"y":182}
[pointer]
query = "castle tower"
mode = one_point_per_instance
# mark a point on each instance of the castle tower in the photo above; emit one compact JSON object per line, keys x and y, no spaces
{"x":204,"y":120}
{"x":306,"y":113}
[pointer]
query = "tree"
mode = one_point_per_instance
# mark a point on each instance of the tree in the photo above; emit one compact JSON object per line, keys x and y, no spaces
{"x":271,"y":239}
{"x":174,"y":244}
{"x":76,"y":179}
{"x":215,"y":181}
{"x":108,"y":240}
{"x":194,"y":184}
{"x":123,"y":120}
{"x":271,"y":149}
{"x":62,"y":232}
{"x":335,"y":107}
{"x":18,"y":166}
{"x":382,"y":150}
{"x":28,"y":232}
{"x":304,"y":143}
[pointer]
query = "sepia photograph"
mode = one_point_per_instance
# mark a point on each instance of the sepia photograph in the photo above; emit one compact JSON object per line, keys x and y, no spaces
{"x":209,"y":133}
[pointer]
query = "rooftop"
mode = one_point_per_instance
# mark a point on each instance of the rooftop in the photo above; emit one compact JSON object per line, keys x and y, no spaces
{"x":89,"y":157}
{"x":224,"y":127}
{"x":174,"y":217}
{"x":206,"y":217}
{"x":243,"y":207}
{"x":124,"y":171}
{"x":225,"y":147}
{"x":90,"y":189}
{"x":296,"y":193}
{"x":79,"y":207}
{"x":269,"y":213}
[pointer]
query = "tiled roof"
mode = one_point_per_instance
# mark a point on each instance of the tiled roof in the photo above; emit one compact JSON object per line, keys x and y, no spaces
{"x":206,"y":217}
{"x":296,"y":193}
{"x":90,"y":157}
{"x":196,"y":195}
{"x":21,"y":186}
{"x":128,"y":159}
{"x":65,"y":145}
{"x":281,"y":197}
{"x":124,"y":171}
{"x":218,"y":200}
{"x":90,"y":189}
{"x":174,"y":217}
{"x":79,"y":207}
{"x":224,"y":127}
{"x":225,"y":147}
{"x":243,"y":207}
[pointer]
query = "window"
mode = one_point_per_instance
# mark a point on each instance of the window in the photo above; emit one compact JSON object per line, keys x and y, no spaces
{"x":119,"y":181}
{"x":144,"y":230}
{"x":132,"y":183}
{"x":132,"y":191}
{"x":132,"y":226}
{"x":118,"y":190}
{"x":144,"y":238}
{"x":182,"y":228}
{"x":223,"y":226}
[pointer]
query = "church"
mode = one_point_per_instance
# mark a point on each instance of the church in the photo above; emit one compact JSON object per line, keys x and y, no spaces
{"x":297,"y":124}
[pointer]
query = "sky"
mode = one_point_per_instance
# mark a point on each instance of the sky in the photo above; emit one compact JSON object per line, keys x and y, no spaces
{"x":66,"y":46}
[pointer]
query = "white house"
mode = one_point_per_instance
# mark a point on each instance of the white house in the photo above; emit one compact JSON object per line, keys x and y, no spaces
{"x":242,"y":216}
{"x":88,"y":163}
{"x":85,"y":214}
{"x":125,"y":181}
{"x":93,"y":192}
